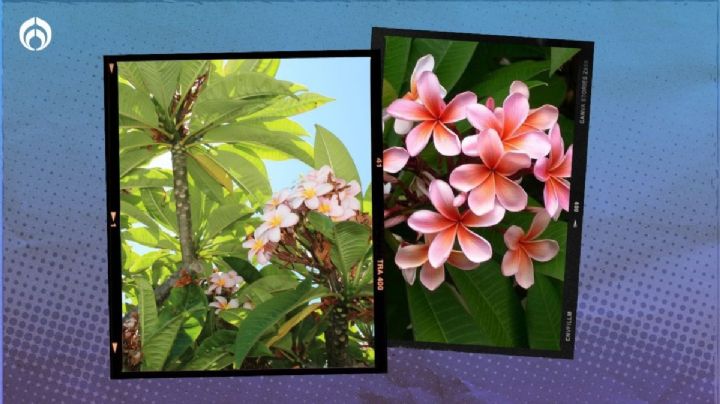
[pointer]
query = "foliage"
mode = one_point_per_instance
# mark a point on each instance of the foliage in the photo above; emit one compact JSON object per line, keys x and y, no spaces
{"x":200,"y":302}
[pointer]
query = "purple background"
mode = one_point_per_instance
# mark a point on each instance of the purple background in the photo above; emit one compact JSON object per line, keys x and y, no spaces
{"x":648,"y":304}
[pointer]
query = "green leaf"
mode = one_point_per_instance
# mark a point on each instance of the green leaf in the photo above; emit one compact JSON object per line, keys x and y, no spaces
{"x":130,"y":159}
{"x":146,"y":261}
{"x":191,"y":302}
{"x":211,"y":168}
{"x":130,"y":210}
{"x":243,"y":268}
{"x":243,"y":171}
{"x":261,"y":289}
{"x":451,"y":66}
{"x":351,"y":241}
{"x":438,"y":316}
{"x":234,"y":316}
{"x":367,"y":200}
{"x":214,"y":352}
{"x":292,"y":322}
{"x":157,"y":346}
{"x":159,"y":207}
{"x":204,"y":182}
{"x":493,"y":303}
{"x":146,"y":178}
{"x":133,"y":139}
{"x":560,"y":56}
{"x":146,"y":307}
{"x":321,"y":224}
{"x":543,"y":313}
{"x":496,"y":84}
{"x":135,"y":108}
{"x":329,"y":150}
{"x":255,"y":134}
{"x":264,"y":316}
{"x":223,"y":217}
{"x":395,"y":64}
{"x":150,"y":238}
{"x":288,"y":106}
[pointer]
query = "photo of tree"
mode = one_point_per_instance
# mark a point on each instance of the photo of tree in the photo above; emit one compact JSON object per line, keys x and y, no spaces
{"x":245,"y":216}
{"x":478,"y":150}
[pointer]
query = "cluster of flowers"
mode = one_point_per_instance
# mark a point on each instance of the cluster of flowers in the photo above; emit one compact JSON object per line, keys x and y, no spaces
{"x":319,"y":191}
{"x":221,"y":285}
{"x":509,"y":142}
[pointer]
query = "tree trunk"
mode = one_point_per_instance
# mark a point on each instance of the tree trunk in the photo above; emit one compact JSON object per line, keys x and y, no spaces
{"x":336,"y":337}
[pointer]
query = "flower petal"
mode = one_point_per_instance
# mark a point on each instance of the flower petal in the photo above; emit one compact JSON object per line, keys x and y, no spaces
{"x":411,"y":256}
{"x":457,"y":108}
{"x":541,"y":169}
{"x":542,"y":118}
{"x":408,"y":110}
{"x":515,"y":110}
{"x":510,"y":194}
{"x":541,"y":250}
{"x":446,"y":141}
{"x":564,"y":167}
{"x":490,"y":147}
{"x":432,"y":277}
{"x":394,"y":159}
{"x":550,"y":198}
{"x":512,"y":162}
{"x":481,"y":200}
{"x":469,"y":145}
{"x":442,"y":197}
{"x":556,"y":143}
{"x":402,"y":127}
{"x":441,"y":247}
{"x":562,"y":190}
{"x":512,"y":237}
{"x":290,"y":219}
{"x":481,"y":118}
{"x":418,"y":137}
{"x":476,"y":248}
{"x":460,"y":261}
{"x":273,"y":234}
{"x":312,"y":203}
{"x":429,"y":92}
{"x":491,"y":218}
{"x":518,"y":86}
{"x":409,"y":274}
{"x":428,"y":222}
{"x":535,"y":144}
{"x":525,"y":276}
{"x":539,"y":224}
{"x":424,"y":64}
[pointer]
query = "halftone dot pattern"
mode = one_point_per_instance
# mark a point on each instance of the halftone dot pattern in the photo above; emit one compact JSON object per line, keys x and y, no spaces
{"x":647,"y":314}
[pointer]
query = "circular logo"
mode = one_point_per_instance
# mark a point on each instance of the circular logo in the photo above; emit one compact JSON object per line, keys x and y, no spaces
{"x":35,"y":34}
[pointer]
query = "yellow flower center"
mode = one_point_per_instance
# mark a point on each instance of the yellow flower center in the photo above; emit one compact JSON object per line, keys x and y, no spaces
{"x":221,"y":282}
{"x":309,"y":193}
{"x":324,"y":208}
{"x":258,"y":245}
{"x":275,"y":221}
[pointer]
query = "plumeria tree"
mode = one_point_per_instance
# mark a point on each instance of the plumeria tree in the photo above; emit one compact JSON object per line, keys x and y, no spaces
{"x":475,"y":192}
{"x":220,"y":272}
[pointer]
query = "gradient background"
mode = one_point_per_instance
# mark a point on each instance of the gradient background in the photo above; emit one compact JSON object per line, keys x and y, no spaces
{"x":647,"y":320}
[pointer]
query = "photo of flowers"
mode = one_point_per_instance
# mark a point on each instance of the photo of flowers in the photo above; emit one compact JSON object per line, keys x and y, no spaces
{"x":240,"y":211}
{"x":480,"y":138}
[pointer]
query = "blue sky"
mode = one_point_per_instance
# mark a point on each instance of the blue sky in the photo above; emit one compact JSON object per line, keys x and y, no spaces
{"x":347,"y":80}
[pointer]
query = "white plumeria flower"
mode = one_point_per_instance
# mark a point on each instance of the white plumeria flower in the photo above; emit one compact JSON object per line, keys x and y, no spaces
{"x":424,"y":64}
{"x":260,"y":248}
{"x":330,"y":207}
{"x":275,"y":219}
{"x":308,"y":193}
{"x":320,"y":175}
{"x":220,"y":280}
{"x":222,"y":303}
{"x":235,"y":279}
{"x":278,"y":199}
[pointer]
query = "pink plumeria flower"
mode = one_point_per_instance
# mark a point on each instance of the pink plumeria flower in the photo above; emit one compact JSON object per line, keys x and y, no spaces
{"x":321,"y":175}
{"x":424,"y":64}
{"x":221,"y":280}
{"x":259,"y":248}
{"x":394,"y":159}
{"x":488,"y":183}
{"x":523,"y":248}
{"x":278,"y":199}
{"x":308,"y":193}
{"x":222,"y":303}
{"x":519,"y":128}
{"x":433,"y":114}
{"x":448,"y":223}
{"x":552,"y":171}
{"x":410,"y":257}
{"x":276,"y":219}
{"x":330,"y":207}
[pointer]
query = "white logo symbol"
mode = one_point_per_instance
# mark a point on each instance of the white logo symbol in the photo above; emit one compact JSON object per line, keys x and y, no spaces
{"x":35,"y":27}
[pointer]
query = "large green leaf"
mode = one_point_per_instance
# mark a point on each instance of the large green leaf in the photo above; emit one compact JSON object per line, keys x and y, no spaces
{"x":159,"y":78}
{"x":439,"y":316}
{"x":560,"y":56}
{"x":496,"y":84}
{"x":321,"y":224}
{"x":261,"y":289}
{"x":264,"y":316}
{"x":157,"y":346}
{"x":244,"y":171}
{"x":147,"y":178}
{"x":134,"y":138}
{"x":137,"y":214}
{"x":130,"y":159}
{"x":493,"y":303}
{"x":204,"y":182}
{"x":351,"y":241}
{"x":153,"y":238}
{"x":136,"y":108}
{"x":451,"y":66}
{"x":146,"y":307}
{"x":544,"y":312}
{"x":395,"y":66}
{"x":223,"y":217}
{"x":243,"y":268}
{"x":146,"y":261}
{"x":160,"y":207}
{"x":214,"y":352}
{"x":256,"y":134}
{"x":288,"y":106}
{"x":211,"y":168}
{"x":329,"y":150}
{"x":191,"y":302}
